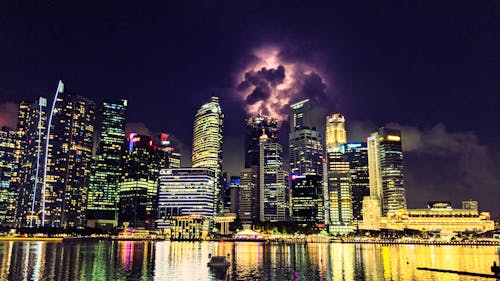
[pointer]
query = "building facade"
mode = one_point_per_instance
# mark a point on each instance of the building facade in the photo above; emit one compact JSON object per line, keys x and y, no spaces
{"x":32,"y":130}
{"x":106,"y":171}
{"x":138,"y":188}
{"x":207,"y":142}
{"x":185,"y":192}
{"x":273,"y":190}
{"x":307,"y":198}
{"x":9,"y":147}
{"x":69,"y":156}
{"x":248,"y":207}
{"x":335,"y":132}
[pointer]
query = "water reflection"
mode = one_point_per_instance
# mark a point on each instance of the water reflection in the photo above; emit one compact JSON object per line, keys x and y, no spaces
{"x":127,"y":260}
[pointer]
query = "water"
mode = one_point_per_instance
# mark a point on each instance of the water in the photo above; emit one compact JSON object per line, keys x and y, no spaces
{"x":124,"y":260}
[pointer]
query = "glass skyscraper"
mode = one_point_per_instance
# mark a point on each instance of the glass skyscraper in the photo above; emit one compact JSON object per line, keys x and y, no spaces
{"x":207,"y":143}
{"x":307,"y":198}
{"x":306,"y":151}
{"x":335,"y":132}
{"x":32,"y":130}
{"x":68,"y":160}
{"x":107,"y":165}
{"x":385,"y":156}
{"x":273,"y":189}
{"x":138,"y":188}
{"x":9,"y":146}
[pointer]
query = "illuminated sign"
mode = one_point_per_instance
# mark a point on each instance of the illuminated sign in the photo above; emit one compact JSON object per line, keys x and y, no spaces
{"x":353,"y":145}
{"x":393,"y":138}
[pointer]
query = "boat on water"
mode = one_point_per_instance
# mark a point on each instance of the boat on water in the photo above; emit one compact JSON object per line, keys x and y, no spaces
{"x":218,"y":262}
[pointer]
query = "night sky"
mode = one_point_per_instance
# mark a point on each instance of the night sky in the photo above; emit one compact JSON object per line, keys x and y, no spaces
{"x":431,"y":69}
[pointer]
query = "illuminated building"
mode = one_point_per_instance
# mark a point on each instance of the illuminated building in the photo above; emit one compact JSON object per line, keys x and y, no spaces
{"x":68,"y":160}
{"x":306,"y":151}
{"x":339,"y":192}
{"x":230,"y":195}
{"x":335,"y":132}
{"x":357,"y":155}
{"x":255,"y":126}
{"x":185,"y":192}
{"x":273,"y":191}
{"x":138,"y":188}
{"x":173,"y":157}
{"x":248,"y":207}
{"x":207,"y":142}
{"x":385,"y":164}
{"x":31,"y":127}
{"x":307,"y":198}
{"x":106,"y":169}
{"x":9,"y":145}
{"x":439,"y":217}
{"x":192,"y":227}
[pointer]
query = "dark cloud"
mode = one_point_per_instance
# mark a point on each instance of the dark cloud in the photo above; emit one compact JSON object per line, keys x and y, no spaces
{"x":8,"y":114}
{"x":313,"y":88}
{"x":262,"y":81}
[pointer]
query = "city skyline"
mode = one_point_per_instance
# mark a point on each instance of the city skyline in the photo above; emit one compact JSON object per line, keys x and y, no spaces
{"x":450,"y":145}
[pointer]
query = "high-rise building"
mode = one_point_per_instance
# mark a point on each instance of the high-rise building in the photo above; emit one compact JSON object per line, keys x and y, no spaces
{"x":340,"y":194}
{"x":138,"y":188}
{"x":248,"y":207}
{"x":255,"y":126}
{"x":335,"y":132}
{"x":385,"y":166}
{"x":68,"y":160}
{"x":172,"y":155}
{"x":184,"y":192}
{"x":32,"y":130}
{"x":357,"y":155}
{"x":9,"y":146}
{"x":207,"y":142}
{"x":106,"y":171}
{"x":273,"y":190}
{"x":307,"y":198}
{"x":306,"y":151}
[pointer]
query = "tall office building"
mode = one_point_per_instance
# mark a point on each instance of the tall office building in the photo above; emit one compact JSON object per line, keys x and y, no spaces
{"x":32,"y":130}
{"x":273,"y":190}
{"x":138,"y":188}
{"x":185,"y":191}
{"x":248,"y":203}
{"x":207,"y":142}
{"x":106,"y":169}
{"x":357,"y":155}
{"x":255,"y":126}
{"x":68,"y":160}
{"x":339,"y":192}
{"x":9,"y":146}
{"x":335,"y":132}
{"x":306,"y":151}
{"x":307,"y":198}
{"x":385,"y":156}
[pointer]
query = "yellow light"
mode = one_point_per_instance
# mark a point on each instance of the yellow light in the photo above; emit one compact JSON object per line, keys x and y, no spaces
{"x":393,"y":138}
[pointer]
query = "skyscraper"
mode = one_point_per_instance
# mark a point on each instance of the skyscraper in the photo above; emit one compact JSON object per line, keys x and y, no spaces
{"x":138,"y":188}
{"x":106,"y":169}
{"x":273,"y":191}
{"x":68,"y":160}
{"x":385,"y":156}
{"x":32,"y":130}
{"x":185,"y":191}
{"x":9,"y":145}
{"x":340,"y":194}
{"x":207,"y":142}
{"x":357,"y":155}
{"x":255,"y":126}
{"x":248,"y":207}
{"x":335,"y":132}
{"x":172,"y":155}
{"x":306,"y":151}
{"x":307,"y":198}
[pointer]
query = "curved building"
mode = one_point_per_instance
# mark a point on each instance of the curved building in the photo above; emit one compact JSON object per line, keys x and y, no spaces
{"x":207,"y":141}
